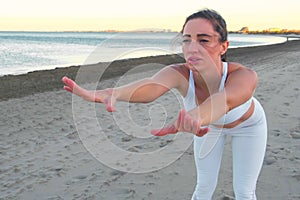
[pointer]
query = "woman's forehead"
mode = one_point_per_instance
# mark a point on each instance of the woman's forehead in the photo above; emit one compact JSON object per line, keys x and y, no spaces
{"x":198,"y":26}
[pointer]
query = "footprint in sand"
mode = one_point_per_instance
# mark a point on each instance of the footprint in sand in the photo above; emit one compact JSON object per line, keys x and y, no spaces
{"x":126,"y":193}
{"x":80,"y":177}
{"x":269,"y":160}
{"x":297,"y":177}
{"x":227,"y":197}
{"x":277,"y":132}
{"x":127,"y":138}
{"x":295,"y":135}
{"x":73,"y":135}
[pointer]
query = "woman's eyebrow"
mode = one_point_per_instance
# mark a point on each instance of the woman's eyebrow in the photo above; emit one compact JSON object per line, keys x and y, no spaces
{"x":198,"y":35}
{"x":203,"y":34}
{"x":186,"y":35}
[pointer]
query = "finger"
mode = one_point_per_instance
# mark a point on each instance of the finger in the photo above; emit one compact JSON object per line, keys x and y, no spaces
{"x":196,"y":126}
{"x":67,"y":88}
{"x":110,"y":102}
{"x":68,"y":82}
{"x":188,"y":123}
{"x":180,"y":119}
{"x":202,"y":131}
{"x":71,"y":86}
{"x":171,"y":129}
{"x":110,"y":108}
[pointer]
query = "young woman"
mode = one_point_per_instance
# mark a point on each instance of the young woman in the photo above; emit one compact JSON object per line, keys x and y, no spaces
{"x":218,"y":100}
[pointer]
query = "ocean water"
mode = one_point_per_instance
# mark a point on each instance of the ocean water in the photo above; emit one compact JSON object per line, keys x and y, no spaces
{"x":22,"y":52}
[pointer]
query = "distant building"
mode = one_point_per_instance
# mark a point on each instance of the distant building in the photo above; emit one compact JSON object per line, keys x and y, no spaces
{"x":274,"y":30}
{"x":244,"y":30}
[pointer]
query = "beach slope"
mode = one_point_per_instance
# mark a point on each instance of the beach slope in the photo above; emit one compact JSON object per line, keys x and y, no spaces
{"x":43,"y":155}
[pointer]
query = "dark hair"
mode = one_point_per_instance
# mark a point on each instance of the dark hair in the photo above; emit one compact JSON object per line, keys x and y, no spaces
{"x":215,"y":19}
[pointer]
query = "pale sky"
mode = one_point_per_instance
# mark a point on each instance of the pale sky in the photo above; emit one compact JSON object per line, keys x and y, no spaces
{"x":97,"y":15}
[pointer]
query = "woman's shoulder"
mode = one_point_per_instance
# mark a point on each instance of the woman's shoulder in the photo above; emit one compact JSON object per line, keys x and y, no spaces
{"x":234,"y":66}
{"x":181,"y":69}
{"x":237,"y":73}
{"x":180,"y":73}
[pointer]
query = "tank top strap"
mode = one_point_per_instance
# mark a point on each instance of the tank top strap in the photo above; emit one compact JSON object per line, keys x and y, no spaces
{"x":191,"y":80}
{"x":224,"y":76}
{"x":190,"y":98}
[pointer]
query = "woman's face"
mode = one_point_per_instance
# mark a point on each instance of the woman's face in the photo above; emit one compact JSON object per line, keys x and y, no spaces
{"x":200,"y":43}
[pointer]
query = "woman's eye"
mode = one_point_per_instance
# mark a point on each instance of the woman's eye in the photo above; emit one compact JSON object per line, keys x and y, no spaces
{"x":186,"y":41}
{"x":203,"y":41}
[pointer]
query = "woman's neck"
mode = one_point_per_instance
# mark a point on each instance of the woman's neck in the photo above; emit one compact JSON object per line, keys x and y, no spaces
{"x":208,"y":81}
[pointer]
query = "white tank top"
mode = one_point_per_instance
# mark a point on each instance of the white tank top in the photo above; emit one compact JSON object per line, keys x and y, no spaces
{"x":189,"y":100}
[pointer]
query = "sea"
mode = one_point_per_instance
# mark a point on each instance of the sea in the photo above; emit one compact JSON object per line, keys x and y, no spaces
{"x":23,"y":52}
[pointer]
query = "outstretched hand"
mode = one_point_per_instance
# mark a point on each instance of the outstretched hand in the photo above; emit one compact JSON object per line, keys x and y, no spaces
{"x":100,"y":96}
{"x":184,"y":123}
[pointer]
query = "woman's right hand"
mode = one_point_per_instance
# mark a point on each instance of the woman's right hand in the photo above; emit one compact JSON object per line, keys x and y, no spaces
{"x":184,"y":123}
{"x":100,"y":96}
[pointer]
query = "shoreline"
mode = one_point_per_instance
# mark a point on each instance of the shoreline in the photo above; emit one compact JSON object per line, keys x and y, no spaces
{"x":15,"y":86}
{"x":52,"y":67}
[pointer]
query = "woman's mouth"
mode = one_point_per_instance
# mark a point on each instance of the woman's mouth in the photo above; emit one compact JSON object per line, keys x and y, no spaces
{"x":193,"y":60}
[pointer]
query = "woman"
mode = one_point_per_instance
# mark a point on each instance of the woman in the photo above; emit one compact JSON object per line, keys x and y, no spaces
{"x":218,"y":100}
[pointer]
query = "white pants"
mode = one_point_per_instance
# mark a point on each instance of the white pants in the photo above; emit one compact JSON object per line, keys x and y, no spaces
{"x":248,"y":149}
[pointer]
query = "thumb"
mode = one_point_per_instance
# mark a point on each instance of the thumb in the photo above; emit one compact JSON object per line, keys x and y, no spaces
{"x":110,"y":102}
{"x":171,"y":129}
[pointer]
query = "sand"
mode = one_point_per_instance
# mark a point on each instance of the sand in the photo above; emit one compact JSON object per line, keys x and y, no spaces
{"x":51,"y":149}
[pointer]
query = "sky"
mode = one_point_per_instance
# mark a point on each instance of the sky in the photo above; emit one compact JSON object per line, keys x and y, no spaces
{"x":129,"y":15}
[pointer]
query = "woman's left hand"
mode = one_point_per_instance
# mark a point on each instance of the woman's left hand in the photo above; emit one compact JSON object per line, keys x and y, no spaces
{"x":184,"y":123}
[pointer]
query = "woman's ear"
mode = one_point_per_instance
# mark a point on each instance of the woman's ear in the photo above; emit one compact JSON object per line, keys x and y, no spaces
{"x":224,"y":47}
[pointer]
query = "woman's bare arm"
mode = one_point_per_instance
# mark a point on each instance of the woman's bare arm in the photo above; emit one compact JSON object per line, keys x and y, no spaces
{"x":149,"y":89}
{"x":142,"y":91}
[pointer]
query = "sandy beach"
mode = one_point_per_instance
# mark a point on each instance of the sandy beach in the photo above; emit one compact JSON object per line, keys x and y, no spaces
{"x":51,"y":146}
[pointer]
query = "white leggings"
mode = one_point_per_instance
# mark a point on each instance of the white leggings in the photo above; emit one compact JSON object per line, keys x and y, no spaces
{"x":248,"y":149}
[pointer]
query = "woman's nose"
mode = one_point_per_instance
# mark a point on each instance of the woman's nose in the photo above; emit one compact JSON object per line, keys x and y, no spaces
{"x":193,"y":46}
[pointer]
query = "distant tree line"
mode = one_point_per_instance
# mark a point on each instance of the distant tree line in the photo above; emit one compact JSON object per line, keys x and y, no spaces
{"x":245,"y":30}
